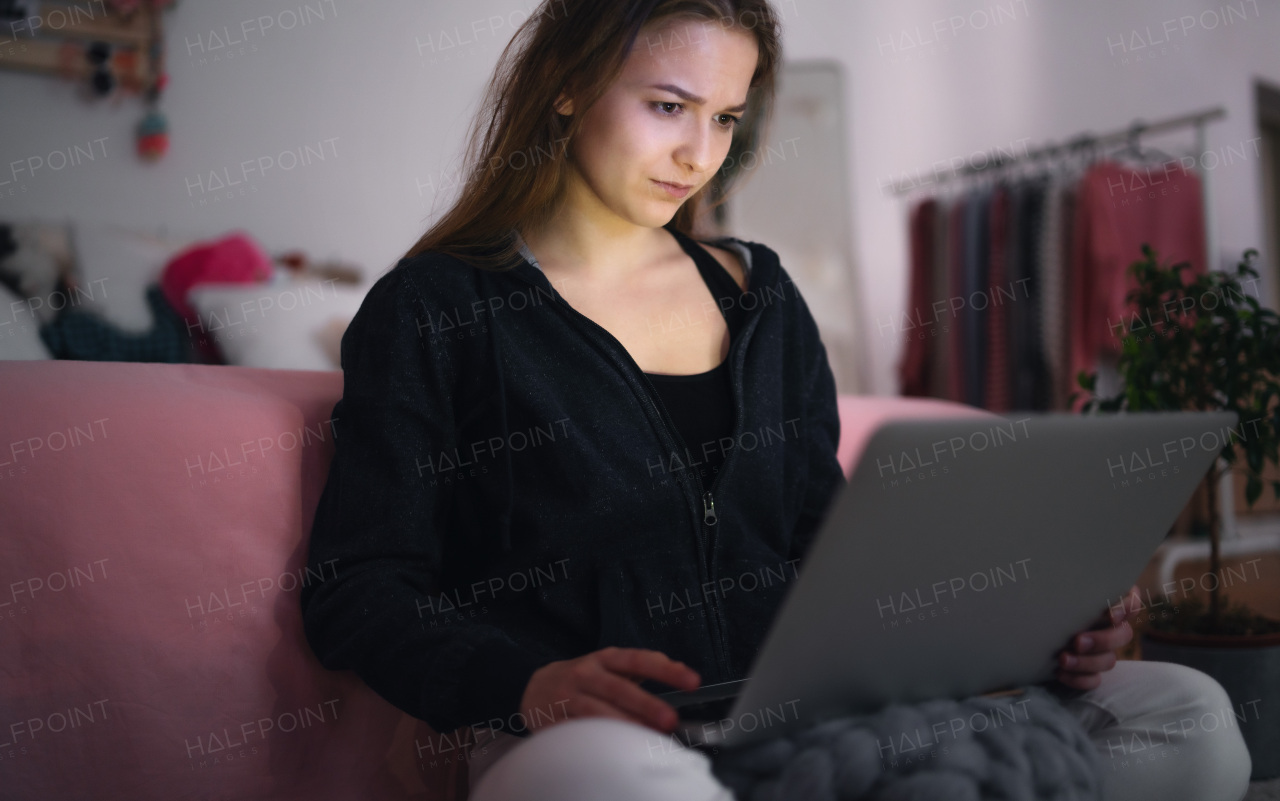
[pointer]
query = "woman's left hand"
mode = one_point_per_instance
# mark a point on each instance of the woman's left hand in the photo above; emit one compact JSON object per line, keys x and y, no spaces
{"x":1092,"y":652}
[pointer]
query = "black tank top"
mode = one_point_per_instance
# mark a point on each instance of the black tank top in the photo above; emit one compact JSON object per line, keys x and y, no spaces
{"x":701,"y":405}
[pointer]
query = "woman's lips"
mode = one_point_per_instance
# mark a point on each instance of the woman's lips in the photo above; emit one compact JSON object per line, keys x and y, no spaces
{"x":675,"y":190}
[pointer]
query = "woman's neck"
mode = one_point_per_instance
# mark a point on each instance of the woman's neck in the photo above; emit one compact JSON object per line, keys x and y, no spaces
{"x":589,"y":253}
{"x":589,"y":242}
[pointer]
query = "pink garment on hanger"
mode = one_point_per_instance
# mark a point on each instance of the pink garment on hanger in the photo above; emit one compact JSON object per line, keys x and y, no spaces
{"x":1118,"y":208}
{"x":918,"y":351}
{"x":955,"y":272}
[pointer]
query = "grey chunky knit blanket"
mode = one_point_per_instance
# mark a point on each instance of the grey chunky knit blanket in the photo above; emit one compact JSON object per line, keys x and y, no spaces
{"x":1026,"y":747}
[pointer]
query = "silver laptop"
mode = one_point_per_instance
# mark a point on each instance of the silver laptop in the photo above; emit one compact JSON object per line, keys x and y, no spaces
{"x":960,"y":558}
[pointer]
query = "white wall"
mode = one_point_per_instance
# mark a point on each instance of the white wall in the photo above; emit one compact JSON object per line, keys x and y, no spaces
{"x":382,"y":113}
{"x":382,"y":99}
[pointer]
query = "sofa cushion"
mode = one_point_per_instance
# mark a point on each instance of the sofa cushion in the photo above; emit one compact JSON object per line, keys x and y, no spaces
{"x":151,"y":646}
{"x":861,"y":415}
{"x":284,"y":324}
{"x":151,"y":643}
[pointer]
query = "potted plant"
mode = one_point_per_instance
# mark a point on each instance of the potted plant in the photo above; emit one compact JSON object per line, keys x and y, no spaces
{"x":1206,"y":344}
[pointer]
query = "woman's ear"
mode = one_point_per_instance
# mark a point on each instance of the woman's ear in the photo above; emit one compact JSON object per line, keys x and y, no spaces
{"x":564,"y":105}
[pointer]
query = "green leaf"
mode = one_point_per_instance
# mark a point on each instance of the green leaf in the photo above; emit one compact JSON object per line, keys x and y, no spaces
{"x":1252,"y":489}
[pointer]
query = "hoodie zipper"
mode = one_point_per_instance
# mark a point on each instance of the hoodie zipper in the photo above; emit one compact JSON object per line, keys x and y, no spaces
{"x":705,"y":528}
{"x":709,"y":517}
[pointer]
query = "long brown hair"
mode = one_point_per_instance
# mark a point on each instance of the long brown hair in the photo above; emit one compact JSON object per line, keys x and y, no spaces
{"x":517,"y":143}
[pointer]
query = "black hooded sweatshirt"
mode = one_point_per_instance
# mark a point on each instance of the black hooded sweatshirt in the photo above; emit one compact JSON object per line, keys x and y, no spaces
{"x":507,"y":490}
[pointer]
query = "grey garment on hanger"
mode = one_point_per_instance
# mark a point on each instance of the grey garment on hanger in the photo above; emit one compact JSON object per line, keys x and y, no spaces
{"x":943,"y":324}
{"x":1027,"y":372}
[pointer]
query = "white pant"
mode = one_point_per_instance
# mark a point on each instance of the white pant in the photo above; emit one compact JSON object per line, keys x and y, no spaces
{"x":1163,"y":731}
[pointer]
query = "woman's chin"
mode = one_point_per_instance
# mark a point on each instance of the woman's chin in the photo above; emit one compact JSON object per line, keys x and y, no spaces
{"x":661,"y":210}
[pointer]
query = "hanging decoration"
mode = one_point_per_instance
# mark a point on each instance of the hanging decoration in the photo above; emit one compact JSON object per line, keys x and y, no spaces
{"x":109,"y":49}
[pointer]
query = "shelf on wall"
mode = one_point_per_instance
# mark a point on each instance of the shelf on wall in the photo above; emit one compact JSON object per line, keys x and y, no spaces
{"x":55,"y":41}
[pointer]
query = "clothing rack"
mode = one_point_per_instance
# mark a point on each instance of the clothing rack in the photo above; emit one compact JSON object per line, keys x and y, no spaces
{"x":1089,"y":144}
{"x":1087,"y":149}
{"x":1083,"y":141}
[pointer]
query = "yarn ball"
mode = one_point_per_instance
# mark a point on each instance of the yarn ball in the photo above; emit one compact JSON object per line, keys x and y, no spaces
{"x":153,"y":136}
{"x":1031,"y":749}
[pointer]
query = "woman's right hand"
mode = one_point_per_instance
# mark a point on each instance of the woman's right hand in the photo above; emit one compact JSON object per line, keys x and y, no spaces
{"x":604,"y":684}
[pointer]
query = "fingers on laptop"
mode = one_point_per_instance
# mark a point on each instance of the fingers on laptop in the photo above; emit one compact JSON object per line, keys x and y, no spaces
{"x":615,"y":684}
{"x":607,"y":692}
{"x":1127,"y":607}
{"x":646,"y":663}
{"x":1087,"y":671}
{"x":1103,"y":640}
{"x":1092,"y":654}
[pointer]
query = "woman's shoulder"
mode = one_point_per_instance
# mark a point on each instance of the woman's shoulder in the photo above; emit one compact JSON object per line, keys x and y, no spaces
{"x":733,"y":258}
{"x":768,"y":280}
{"x":430,"y":268}
{"x":428,"y":279}
{"x":417,"y":292}
{"x":756,"y":261}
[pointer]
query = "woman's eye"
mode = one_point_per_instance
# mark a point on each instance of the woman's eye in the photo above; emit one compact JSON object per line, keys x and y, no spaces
{"x":726,"y":120}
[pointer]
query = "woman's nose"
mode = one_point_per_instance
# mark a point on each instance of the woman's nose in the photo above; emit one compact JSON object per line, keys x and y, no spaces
{"x":697,"y":149}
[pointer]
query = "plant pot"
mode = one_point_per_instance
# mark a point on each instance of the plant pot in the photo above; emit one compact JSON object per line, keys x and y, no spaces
{"x":1248,"y":668}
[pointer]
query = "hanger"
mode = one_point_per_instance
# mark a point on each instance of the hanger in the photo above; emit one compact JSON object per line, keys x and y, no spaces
{"x":1134,"y":152}
{"x":1038,"y":163}
{"x":1074,"y":156}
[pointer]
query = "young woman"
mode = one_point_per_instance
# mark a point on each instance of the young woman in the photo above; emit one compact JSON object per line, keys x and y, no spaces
{"x":580,"y":454}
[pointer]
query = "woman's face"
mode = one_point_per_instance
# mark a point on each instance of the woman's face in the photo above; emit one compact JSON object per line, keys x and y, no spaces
{"x":669,"y":117}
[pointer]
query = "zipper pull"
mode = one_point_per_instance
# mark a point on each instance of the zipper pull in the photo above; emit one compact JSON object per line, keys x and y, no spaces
{"x":708,"y":508}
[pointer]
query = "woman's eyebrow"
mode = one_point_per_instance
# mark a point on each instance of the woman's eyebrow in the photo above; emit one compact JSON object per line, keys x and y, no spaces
{"x":690,"y":96}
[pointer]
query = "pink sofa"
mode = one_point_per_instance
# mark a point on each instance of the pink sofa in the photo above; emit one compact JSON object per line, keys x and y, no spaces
{"x":153,"y":522}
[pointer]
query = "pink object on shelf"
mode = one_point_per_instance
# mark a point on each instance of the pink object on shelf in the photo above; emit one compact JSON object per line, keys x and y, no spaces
{"x":234,"y":259}
{"x":155,"y":521}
